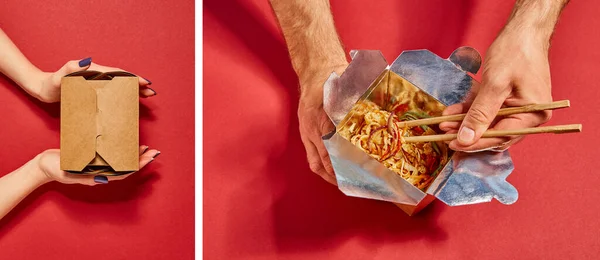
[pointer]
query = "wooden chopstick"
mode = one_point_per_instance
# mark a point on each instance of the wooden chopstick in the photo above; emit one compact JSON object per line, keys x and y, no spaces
{"x":556,"y":129}
{"x":502,"y":112}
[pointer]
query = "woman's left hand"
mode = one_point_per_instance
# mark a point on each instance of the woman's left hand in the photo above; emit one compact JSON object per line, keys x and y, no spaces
{"x":48,"y":163}
{"x":47,"y":85}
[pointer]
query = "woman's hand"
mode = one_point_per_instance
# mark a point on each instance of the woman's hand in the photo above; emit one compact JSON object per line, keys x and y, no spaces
{"x":49,"y":165}
{"x":46,"y":86}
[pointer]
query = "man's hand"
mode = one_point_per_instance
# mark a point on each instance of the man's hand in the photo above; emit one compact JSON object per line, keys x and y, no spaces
{"x":314,"y":123}
{"x":516,"y":72}
{"x":315,"y":51}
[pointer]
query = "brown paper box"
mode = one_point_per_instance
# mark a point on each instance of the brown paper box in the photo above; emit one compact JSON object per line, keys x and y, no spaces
{"x":99,"y":126}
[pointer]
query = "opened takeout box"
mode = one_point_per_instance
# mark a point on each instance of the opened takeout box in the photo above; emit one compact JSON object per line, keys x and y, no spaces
{"x":99,"y":126}
{"x":464,"y":179}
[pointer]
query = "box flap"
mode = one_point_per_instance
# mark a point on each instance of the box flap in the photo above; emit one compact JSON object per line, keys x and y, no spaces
{"x":98,"y":161}
{"x":118,"y":114}
{"x":77,"y":124}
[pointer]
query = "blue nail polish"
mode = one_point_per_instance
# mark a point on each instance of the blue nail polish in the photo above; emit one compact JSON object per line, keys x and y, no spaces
{"x":149,"y":82}
{"x":100,"y":179}
{"x":85,"y":62}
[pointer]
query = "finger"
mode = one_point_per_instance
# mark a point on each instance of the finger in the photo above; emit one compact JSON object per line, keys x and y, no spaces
{"x":326,"y":161}
{"x":481,"y":145}
{"x":82,"y":179}
{"x":314,"y":161}
{"x":452,"y":127}
{"x":143,"y":149}
{"x":74,"y":66}
{"x":482,"y":112}
{"x":452,"y":110}
{"x":449,"y":126}
{"x":146,"y":158}
{"x":513,"y":122}
{"x":70,"y":67}
{"x":459,"y":108}
{"x":147,"y":92}
{"x":143,"y":81}
{"x":455,"y":109}
{"x":323,"y":154}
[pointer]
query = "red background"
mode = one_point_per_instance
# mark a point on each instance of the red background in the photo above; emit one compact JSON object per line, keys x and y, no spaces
{"x":262,"y":202}
{"x":148,"y":216}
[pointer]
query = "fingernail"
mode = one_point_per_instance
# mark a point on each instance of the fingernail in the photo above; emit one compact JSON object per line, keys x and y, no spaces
{"x":85,"y":62}
{"x":145,"y":149}
{"x":149,"y":82}
{"x":151,"y":160}
{"x":466,"y":134}
{"x":153,"y":91}
{"x":157,"y":154}
{"x":100,"y":179}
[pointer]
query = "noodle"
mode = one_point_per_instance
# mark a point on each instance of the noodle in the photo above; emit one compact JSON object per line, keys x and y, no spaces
{"x":374,"y":131}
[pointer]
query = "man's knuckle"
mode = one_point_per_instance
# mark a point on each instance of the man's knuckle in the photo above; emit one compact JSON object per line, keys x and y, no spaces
{"x":480,"y":115}
{"x":546,"y":116}
{"x":497,"y":85}
{"x":315,"y":166}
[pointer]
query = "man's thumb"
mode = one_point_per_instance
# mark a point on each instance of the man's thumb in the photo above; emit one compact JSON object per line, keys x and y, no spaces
{"x":482,"y":112}
{"x":74,"y":66}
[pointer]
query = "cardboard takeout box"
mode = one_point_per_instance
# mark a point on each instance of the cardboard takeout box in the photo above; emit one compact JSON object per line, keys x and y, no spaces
{"x":99,"y":126}
{"x":437,"y":82}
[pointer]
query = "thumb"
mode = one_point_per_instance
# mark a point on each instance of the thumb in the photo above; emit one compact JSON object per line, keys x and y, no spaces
{"x":74,"y":66}
{"x":482,"y":112}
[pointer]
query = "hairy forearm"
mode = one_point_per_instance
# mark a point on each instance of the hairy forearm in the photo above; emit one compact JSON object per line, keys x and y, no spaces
{"x":536,"y":18}
{"x":311,"y":37}
{"x":15,"y":186}
{"x":16,"y":66}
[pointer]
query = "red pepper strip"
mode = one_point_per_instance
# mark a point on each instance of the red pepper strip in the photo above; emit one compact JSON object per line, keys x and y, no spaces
{"x":418,"y":130}
{"x":430,"y":162}
{"x":401,"y":108}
